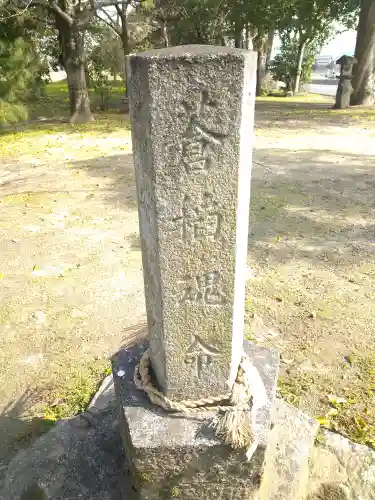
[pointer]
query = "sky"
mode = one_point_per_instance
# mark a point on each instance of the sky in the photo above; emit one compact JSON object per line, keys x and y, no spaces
{"x":343,"y":44}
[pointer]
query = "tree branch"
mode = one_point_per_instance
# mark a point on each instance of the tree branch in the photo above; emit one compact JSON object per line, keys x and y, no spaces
{"x":109,"y":21}
{"x":120,"y":11}
{"x":18,"y":13}
{"x":55,"y":8}
{"x":109,"y":3}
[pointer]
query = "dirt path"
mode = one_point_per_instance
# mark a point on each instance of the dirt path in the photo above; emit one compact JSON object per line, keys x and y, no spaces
{"x":312,"y":251}
{"x":70,"y":265}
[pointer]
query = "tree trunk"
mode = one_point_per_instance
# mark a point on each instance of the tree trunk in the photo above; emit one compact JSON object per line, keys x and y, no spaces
{"x":73,"y":57}
{"x":261,"y":70}
{"x":238,"y":36}
{"x":125,"y":41}
{"x":301,"y":53}
{"x":79,"y":101}
{"x":164,"y":32}
{"x":248,"y":39}
{"x":363,"y":72}
{"x":270,"y":37}
{"x":260,"y":45}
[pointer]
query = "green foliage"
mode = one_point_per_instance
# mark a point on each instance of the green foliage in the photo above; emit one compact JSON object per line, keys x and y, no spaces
{"x":22,"y":70}
{"x":107,"y":54}
{"x":17,"y":78}
{"x":262,"y":16}
{"x":194,"y":21}
{"x":16,"y":69}
{"x":102,"y":86}
{"x":305,"y":28}
{"x":284,"y":66}
{"x":12,"y":112}
{"x":106,"y":58}
{"x":75,"y":398}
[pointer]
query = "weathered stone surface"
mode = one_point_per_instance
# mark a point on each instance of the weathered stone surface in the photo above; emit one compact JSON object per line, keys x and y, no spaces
{"x":192,"y":118}
{"x":344,"y":88}
{"x":344,"y":91}
{"x":341,"y":470}
{"x":177,"y":456}
{"x":267,"y":363}
{"x":104,"y":396}
{"x":71,"y":462}
{"x":287,"y":457}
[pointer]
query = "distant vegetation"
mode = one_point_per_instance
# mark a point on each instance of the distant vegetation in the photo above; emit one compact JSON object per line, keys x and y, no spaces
{"x":89,"y":41}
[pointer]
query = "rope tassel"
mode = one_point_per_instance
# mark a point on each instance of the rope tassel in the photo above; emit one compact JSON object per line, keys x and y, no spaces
{"x":234,"y":427}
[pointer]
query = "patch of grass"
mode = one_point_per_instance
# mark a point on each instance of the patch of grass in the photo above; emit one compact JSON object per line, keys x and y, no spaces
{"x":55,"y":102}
{"x":33,"y":428}
{"x":54,"y":106}
{"x":351,"y":413}
{"x":293,"y":389}
{"x":35,"y":138}
{"x":175,"y":492}
{"x":269,"y":201}
{"x":77,"y":394}
{"x":300,"y":98}
{"x":349,"y":115}
{"x":29,"y":198}
{"x":147,"y":478}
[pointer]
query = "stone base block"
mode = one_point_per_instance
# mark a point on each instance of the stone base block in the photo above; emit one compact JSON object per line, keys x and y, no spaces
{"x":174,"y":456}
{"x":290,"y":443}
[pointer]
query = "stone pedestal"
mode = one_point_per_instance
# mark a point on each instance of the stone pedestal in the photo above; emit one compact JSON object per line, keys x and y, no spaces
{"x":191,"y":109}
{"x":177,"y":455}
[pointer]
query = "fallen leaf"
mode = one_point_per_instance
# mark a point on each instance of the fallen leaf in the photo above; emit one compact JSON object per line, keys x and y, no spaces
{"x":287,"y":361}
{"x":2,"y":275}
{"x":322,"y":420}
{"x":332,"y":412}
{"x":48,"y":271}
{"x":349,"y":359}
{"x":33,"y":229}
{"x":336,"y":400}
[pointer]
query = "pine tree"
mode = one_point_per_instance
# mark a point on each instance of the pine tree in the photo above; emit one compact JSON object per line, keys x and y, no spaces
{"x":20,"y":68}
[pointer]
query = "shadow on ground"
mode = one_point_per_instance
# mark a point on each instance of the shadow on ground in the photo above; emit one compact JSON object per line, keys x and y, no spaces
{"x":105,"y":123}
{"x":316,"y":205}
{"x":118,"y":189}
{"x":18,"y":432}
{"x":71,"y":461}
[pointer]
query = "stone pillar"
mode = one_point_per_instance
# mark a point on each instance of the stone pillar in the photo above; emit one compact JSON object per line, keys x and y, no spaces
{"x":192,"y":117}
{"x":192,"y":113}
{"x":344,"y":88}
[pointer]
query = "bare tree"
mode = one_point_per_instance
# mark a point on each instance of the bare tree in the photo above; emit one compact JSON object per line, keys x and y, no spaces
{"x":117,"y":18}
